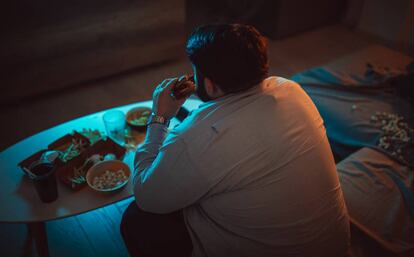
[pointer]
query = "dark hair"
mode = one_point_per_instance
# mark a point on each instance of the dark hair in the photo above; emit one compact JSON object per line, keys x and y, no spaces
{"x":234,"y":56}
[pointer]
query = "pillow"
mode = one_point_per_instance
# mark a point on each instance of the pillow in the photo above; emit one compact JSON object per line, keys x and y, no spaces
{"x":378,"y":192}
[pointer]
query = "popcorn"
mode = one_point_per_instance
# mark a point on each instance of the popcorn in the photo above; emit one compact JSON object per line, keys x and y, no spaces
{"x":396,"y":133}
{"x":109,"y":179}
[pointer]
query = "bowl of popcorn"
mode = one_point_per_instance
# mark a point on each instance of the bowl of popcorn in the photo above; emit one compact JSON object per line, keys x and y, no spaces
{"x":109,"y":175}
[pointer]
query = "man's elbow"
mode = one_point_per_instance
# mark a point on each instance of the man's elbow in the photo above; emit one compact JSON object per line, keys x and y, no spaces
{"x":149,"y":203}
{"x":151,"y":208}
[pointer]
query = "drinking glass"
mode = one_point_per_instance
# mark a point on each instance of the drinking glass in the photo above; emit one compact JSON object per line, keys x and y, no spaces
{"x":114,"y":121}
{"x":43,"y":176}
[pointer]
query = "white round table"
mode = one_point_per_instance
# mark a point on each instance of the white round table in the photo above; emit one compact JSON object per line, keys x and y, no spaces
{"x":18,"y":199}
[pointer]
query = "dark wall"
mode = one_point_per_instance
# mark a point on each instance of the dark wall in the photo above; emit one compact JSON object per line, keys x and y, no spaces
{"x":389,"y":21}
{"x":48,"y":45}
{"x":274,"y":18}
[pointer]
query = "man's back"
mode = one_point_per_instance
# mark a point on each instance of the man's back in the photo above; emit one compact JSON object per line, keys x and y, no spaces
{"x":251,"y":169}
{"x":269,"y":179}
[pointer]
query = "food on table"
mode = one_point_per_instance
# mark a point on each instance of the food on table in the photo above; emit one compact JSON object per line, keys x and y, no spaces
{"x":96,"y":158}
{"x":72,"y":149}
{"x":79,"y":173}
{"x":137,"y":119}
{"x":141,"y":120}
{"x":92,"y":134}
{"x":74,"y":154}
{"x":78,"y":176}
{"x":109,"y":179}
{"x":109,"y":156}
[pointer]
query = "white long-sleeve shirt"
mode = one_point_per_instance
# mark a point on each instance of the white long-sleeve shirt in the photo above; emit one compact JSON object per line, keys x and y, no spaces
{"x":254,"y":174}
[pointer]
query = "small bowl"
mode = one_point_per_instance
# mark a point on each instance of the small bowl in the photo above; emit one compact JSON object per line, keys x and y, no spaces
{"x":101,"y":167}
{"x":137,"y":118}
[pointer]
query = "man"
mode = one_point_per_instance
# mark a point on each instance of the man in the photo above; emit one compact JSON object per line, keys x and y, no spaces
{"x":249,"y":173}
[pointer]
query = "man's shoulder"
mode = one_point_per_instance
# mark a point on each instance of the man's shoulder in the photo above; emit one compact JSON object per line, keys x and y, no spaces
{"x":277,"y":81}
{"x":196,"y":125}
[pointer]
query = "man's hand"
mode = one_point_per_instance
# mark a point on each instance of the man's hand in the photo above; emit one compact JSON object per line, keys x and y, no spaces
{"x":163,"y":104}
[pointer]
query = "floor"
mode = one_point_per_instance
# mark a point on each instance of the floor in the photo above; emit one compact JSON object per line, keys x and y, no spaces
{"x":96,"y":233}
{"x":92,"y":234}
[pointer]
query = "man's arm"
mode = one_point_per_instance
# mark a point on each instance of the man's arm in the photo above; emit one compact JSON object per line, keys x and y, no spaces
{"x":148,"y":151}
{"x":166,"y":179}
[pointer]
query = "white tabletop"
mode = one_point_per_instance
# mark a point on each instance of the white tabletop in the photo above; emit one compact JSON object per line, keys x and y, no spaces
{"x":19,"y":202}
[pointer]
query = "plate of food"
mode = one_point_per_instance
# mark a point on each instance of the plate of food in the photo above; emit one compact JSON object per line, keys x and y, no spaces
{"x":107,"y":176}
{"x":137,"y":118}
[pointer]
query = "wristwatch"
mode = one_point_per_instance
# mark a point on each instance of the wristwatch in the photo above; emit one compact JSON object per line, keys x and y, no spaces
{"x":158,"y":119}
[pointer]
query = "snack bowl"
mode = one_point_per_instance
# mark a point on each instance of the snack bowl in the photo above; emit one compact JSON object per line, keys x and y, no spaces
{"x":137,"y":118}
{"x":107,"y":176}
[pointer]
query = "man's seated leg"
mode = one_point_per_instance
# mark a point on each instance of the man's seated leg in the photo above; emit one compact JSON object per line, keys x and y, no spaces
{"x":151,"y":235}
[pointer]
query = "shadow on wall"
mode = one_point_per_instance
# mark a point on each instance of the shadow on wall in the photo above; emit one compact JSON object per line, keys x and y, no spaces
{"x":55,"y":44}
{"x":275,"y":19}
{"x":390,"y":21}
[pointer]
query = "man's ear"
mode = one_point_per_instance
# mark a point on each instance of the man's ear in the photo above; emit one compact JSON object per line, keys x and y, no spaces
{"x":212,"y":89}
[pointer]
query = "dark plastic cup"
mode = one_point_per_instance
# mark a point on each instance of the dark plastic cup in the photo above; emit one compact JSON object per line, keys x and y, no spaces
{"x":45,"y":181}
